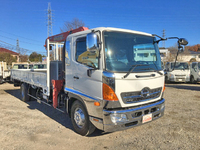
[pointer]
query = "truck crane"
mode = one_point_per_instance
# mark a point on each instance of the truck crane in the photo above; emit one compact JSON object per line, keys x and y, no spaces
{"x":105,"y":78}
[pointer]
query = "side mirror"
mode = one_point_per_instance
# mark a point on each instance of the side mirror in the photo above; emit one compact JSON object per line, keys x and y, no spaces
{"x":92,"y":42}
{"x":182,"y":41}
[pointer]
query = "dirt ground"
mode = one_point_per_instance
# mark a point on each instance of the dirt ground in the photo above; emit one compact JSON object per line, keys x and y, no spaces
{"x":36,"y":126}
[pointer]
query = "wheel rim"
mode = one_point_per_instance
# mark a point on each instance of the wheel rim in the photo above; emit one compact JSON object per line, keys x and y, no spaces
{"x":79,"y":117}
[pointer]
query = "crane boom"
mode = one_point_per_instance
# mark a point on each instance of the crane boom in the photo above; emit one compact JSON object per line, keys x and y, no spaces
{"x":62,"y":36}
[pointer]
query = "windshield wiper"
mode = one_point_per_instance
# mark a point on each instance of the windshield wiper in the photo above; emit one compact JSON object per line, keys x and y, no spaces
{"x":154,"y":70}
{"x":132,"y":68}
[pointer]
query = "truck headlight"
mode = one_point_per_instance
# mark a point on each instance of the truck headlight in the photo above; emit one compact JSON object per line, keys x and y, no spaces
{"x":116,"y":118}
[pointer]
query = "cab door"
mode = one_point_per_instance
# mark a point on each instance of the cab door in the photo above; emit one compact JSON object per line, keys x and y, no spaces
{"x":89,"y":86}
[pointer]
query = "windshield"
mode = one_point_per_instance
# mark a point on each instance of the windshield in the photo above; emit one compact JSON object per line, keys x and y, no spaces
{"x":125,"y":50}
{"x":180,"y":66}
{"x":20,"y":66}
{"x":40,"y":66}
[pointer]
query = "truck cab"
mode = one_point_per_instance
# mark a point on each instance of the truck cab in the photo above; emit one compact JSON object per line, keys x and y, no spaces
{"x":177,"y":72}
{"x":118,"y":69}
{"x":195,"y":72}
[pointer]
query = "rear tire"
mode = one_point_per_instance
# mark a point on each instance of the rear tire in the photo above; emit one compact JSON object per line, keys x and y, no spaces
{"x":80,"y":119}
{"x":24,"y":92}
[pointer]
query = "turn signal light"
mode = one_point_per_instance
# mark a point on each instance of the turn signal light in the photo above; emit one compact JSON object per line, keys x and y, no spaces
{"x":96,"y":104}
{"x":108,"y":93}
{"x":164,"y":87}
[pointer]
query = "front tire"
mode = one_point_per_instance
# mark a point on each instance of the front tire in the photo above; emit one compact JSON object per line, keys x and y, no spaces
{"x":166,"y":79}
{"x":80,"y":119}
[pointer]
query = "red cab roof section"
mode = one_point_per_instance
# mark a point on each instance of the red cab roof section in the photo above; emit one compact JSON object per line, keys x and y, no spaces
{"x":62,"y":36}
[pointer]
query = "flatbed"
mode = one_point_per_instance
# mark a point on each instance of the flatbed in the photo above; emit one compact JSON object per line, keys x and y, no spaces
{"x":36,"y":77}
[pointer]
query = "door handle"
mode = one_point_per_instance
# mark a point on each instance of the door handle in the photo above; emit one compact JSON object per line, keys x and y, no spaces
{"x":76,"y":77}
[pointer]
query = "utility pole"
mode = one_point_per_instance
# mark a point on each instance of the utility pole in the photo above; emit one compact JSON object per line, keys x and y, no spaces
{"x":18,"y":49}
{"x":164,"y":38}
{"x":49,"y":23}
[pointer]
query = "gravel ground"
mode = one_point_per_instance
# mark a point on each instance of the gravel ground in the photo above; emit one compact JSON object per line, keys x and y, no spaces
{"x":33,"y":125}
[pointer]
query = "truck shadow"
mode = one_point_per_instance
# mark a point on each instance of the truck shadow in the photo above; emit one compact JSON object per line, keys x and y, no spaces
{"x":61,"y":118}
{"x":58,"y":116}
{"x":195,"y":87}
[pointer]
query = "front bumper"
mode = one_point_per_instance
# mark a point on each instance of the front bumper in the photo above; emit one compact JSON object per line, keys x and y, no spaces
{"x":179,"y":79}
{"x":134,"y":116}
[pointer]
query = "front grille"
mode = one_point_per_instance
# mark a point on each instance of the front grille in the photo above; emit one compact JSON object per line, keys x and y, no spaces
{"x":180,"y":75}
{"x":138,"y":96}
{"x":180,"y":78}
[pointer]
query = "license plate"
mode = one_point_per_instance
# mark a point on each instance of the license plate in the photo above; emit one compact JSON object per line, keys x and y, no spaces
{"x":180,"y":79}
{"x":146,"y":118}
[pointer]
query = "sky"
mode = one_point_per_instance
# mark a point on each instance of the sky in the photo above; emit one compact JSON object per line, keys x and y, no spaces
{"x":27,"y":20}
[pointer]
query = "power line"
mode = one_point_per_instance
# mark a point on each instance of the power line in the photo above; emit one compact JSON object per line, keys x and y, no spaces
{"x":16,"y":48}
{"x":21,"y":36}
{"x":20,"y":41}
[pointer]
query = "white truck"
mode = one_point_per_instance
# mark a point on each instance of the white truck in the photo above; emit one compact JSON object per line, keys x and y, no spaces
{"x":107,"y":78}
{"x":177,"y":72}
{"x":4,"y":72}
{"x":195,"y":72}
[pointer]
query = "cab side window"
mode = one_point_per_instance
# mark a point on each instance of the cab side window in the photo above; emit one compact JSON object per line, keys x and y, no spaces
{"x":80,"y":47}
{"x":85,"y":57}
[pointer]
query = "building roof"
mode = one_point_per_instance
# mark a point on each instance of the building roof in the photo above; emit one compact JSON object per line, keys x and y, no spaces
{"x":194,"y":52}
{"x":4,"y":50}
{"x":188,"y":52}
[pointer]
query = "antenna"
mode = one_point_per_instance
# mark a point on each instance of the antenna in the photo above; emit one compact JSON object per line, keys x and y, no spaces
{"x":49,"y":23}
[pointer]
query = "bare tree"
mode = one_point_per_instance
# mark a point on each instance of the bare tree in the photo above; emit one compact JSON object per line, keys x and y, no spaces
{"x":24,"y":58}
{"x":173,"y":52}
{"x":75,"y":23}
